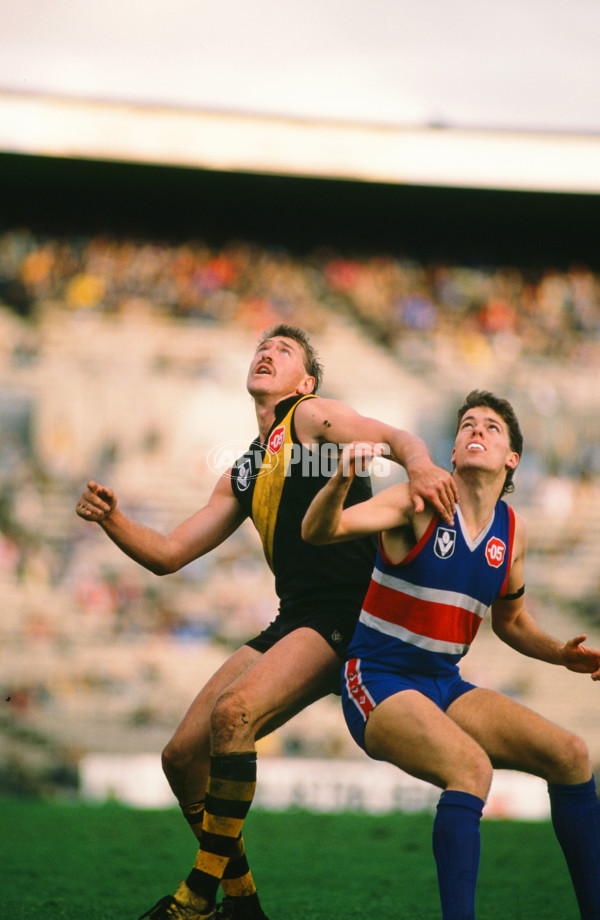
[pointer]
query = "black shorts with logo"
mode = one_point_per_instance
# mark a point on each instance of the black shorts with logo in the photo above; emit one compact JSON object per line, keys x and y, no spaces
{"x":336,"y":626}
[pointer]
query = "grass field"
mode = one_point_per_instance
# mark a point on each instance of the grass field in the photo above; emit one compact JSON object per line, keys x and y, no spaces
{"x":62,"y":861}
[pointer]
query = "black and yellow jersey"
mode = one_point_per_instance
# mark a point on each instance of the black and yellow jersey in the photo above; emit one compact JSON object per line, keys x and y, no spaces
{"x":275,"y":482}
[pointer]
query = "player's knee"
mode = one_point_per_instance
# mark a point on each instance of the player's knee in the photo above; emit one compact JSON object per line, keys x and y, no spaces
{"x":573,"y":760}
{"x":476,"y":773}
{"x":176,"y":759}
{"x":231,"y":719}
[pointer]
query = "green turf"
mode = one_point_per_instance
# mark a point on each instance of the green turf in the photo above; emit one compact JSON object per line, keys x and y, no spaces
{"x":83,"y":862}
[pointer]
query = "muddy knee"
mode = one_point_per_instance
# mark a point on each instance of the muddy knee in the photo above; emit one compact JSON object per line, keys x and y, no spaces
{"x":232,"y":723}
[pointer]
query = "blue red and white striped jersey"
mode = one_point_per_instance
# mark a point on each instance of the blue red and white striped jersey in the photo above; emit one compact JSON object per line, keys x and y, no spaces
{"x":427,"y":609}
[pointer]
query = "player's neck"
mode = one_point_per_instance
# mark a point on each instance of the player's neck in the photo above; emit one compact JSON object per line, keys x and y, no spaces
{"x":478,"y":495}
{"x":265,"y":405}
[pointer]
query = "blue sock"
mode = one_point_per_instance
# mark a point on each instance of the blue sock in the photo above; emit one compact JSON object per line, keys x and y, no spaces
{"x":575,"y":814}
{"x":456,"y":847}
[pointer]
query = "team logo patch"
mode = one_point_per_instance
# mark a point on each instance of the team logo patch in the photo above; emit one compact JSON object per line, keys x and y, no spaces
{"x":444,"y":543}
{"x":276,"y":439}
{"x":494,"y":552}
{"x":243,"y":476}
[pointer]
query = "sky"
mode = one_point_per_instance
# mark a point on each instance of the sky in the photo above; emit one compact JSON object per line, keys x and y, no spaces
{"x":515,"y":64}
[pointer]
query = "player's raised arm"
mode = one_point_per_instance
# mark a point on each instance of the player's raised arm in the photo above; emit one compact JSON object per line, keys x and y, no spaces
{"x":330,"y":421}
{"x":164,"y":553}
{"x":327,"y":521}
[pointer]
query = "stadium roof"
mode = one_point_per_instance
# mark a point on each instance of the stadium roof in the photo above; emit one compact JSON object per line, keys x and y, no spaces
{"x":37,"y":124}
{"x":496,"y":95}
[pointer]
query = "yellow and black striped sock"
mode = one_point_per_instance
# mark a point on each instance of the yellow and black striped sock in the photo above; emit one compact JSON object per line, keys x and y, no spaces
{"x":237,"y":881}
{"x":231,"y":786}
{"x":194,"y":815}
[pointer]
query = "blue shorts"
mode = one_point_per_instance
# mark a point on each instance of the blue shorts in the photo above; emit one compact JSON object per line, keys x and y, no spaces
{"x":364,"y":686}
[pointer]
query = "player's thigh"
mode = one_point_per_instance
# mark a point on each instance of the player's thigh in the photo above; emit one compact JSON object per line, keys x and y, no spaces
{"x":297,"y":670}
{"x":517,"y":738}
{"x":412,"y":732}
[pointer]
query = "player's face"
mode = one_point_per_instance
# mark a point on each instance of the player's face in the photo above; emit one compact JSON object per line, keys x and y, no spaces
{"x":482,"y":442}
{"x":277,"y":368}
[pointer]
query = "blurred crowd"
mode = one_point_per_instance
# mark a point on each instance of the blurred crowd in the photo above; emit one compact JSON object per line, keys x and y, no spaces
{"x":64,"y":584}
{"x":539,"y":311}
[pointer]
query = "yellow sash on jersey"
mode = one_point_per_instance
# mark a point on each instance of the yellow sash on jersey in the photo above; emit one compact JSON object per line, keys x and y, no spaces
{"x":271,"y":478}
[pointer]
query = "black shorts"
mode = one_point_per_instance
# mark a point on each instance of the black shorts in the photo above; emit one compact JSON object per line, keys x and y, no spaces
{"x":334,"y":625}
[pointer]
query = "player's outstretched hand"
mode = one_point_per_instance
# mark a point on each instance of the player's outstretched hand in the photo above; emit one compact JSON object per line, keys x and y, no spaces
{"x":97,"y":503}
{"x":582,"y":659}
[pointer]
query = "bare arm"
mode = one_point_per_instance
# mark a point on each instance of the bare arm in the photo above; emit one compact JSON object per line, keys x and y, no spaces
{"x":514,"y":625}
{"x":164,"y":553}
{"x":327,"y":521}
{"x":328,"y":421}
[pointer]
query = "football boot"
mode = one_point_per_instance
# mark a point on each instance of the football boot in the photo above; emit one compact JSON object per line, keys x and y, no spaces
{"x":180,"y":906}
{"x":240,"y":909}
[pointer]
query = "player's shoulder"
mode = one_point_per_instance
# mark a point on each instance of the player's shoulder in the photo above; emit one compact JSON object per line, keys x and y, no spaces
{"x":325,"y":420}
{"x":314,"y":416}
{"x":511,"y":513}
{"x":520,"y":532}
{"x":322,"y":407}
{"x":311,"y":402}
{"x":520,"y":524}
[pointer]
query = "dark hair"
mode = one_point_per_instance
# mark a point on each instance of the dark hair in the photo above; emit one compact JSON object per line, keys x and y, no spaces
{"x":311,"y":361}
{"x":503,"y":408}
